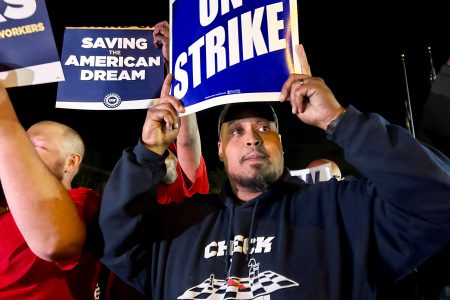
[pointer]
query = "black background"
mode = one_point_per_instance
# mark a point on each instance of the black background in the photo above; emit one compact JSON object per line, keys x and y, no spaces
{"x":354,"y":46}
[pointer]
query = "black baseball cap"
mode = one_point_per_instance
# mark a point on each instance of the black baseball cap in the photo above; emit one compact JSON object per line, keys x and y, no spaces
{"x":241,"y":110}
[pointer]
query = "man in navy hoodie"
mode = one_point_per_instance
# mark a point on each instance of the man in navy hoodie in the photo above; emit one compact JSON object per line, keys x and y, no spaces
{"x":265,"y":235}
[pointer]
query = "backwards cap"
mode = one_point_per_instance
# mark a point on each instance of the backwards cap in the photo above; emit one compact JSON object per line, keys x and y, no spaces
{"x":236,"y":111}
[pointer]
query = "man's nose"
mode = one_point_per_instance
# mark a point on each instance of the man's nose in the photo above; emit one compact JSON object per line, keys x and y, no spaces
{"x":253,"y":139}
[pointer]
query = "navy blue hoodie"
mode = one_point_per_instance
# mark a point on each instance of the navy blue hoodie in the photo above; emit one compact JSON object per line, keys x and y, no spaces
{"x":332,"y":240}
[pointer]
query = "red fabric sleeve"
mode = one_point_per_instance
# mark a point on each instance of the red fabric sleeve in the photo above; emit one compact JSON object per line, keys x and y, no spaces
{"x":178,"y":190}
{"x":88,"y":205}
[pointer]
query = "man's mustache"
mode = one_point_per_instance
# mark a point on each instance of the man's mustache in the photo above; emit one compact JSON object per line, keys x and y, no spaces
{"x":255,"y":152}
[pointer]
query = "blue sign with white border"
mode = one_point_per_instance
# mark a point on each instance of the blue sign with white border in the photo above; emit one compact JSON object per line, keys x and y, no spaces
{"x":225,"y":51}
{"x":110,"y":68}
{"x":28,"y":53}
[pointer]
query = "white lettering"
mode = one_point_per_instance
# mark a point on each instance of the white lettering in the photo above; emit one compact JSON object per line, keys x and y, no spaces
{"x":239,"y":244}
{"x":19,"y":9}
{"x":263,"y":244}
{"x":112,"y":75}
{"x":253,"y":35}
{"x":72,"y":60}
{"x":222,"y":248}
{"x":210,"y":250}
{"x":215,"y":51}
{"x":233,"y":42}
{"x":210,"y":8}
{"x":180,"y":89}
{"x":113,"y":61}
{"x":275,"y":43}
{"x":224,"y":47}
{"x":194,"y":52}
{"x":208,"y":11}
{"x":114,"y":43}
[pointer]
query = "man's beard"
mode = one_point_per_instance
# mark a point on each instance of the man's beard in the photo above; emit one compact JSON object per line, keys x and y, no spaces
{"x":260,"y":182}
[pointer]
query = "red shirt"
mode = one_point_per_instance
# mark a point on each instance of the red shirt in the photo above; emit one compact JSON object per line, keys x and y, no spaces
{"x":178,"y":190}
{"x":23,"y":275}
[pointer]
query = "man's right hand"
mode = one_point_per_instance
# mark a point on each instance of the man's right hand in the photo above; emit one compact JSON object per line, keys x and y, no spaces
{"x":311,"y":100}
{"x":162,"y":123}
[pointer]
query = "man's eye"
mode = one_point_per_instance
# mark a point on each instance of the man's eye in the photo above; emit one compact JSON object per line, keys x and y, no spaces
{"x":237,"y":131}
{"x":264,"y":128}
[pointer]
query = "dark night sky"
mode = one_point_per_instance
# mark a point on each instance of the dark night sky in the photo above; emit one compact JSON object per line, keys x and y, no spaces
{"x":355,"y":48}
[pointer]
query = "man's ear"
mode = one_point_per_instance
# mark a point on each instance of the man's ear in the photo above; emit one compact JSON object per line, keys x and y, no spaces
{"x":73,"y":163}
{"x":219,"y":146}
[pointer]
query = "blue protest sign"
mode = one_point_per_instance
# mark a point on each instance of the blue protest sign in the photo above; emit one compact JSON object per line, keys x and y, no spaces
{"x":225,"y":51}
{"x":28,"y":53}
{"x":110,"y":68}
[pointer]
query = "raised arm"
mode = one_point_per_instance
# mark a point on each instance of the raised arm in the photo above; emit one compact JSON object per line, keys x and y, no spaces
{"x":189,"y":149}
{"x":408,"y":183}
{"x":314,"y":104}
{"x":40,"y":205}
{"x":131,"y":191}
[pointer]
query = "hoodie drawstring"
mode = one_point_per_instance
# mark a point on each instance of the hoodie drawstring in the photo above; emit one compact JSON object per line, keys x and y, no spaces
{"x":228,"y":256}
{"x":251,"y":232}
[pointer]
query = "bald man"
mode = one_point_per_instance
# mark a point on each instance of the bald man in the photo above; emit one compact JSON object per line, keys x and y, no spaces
{"x":43,"y":220}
